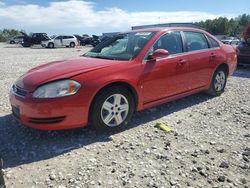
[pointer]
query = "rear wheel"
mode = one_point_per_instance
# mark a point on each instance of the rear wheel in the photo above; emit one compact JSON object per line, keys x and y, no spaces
{"x":72,"y":45}
{"x":112,"y":109}
{"x":51,"y":45}
{"x":218,"y":82}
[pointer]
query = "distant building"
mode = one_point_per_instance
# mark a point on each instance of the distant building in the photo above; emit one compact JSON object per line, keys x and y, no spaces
{"x":167,"y":25}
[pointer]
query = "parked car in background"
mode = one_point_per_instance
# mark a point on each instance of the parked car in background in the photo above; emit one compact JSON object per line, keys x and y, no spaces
{"x":94,"y":40}
{"x":243,"y":53}
{"x":60,"y":41}
{"x":34,"y":38}
{"x":231,"y":40}
{"x":16,"y":40}
{"x":79,"y":38}
{"x":127,"y":73}
{"x":82,"y":38}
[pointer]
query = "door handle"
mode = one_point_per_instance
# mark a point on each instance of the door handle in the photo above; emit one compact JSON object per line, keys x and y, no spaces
{"x":212,"y":55}
{"x":182,"y":62}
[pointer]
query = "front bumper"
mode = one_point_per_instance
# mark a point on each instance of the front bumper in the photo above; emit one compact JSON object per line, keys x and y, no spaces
{"x":50,"y":114}
{"x":44,"y":45}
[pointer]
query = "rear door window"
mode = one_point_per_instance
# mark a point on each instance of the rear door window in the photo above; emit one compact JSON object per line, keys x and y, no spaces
{"x":195,"y":41}
{"x":213,"y":43}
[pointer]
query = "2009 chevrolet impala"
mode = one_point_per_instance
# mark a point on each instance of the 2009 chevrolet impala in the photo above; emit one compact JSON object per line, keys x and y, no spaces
{"x":132,"y":71}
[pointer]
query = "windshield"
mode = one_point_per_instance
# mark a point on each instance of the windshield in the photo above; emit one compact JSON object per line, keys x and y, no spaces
{"x":121,"y":47}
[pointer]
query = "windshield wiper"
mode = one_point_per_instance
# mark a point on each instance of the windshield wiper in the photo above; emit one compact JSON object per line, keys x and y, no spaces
{"x":104,"y":57}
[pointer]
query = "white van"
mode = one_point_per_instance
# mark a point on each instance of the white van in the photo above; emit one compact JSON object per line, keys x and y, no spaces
{"x":60,"y":41}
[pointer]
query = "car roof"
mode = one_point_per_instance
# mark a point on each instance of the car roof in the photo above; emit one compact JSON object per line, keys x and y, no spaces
{"x":163,"y":29}
{"x":64,"y":35}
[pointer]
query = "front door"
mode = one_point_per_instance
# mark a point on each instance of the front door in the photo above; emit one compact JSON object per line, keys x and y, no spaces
{"x":166,"y":77}
{"x":58,"y":41}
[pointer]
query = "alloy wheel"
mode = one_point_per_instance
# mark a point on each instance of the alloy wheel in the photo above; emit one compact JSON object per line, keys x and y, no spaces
{"x":220,"y":80}
{"x":114,"y":110}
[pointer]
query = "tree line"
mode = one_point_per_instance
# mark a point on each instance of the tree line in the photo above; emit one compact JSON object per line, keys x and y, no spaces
{"x":6,"y":34}
{"x":218,"y":26}
{"x":225,"y":26}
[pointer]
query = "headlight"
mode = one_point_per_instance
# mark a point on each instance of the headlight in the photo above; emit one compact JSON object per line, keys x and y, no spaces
{"x":57,"y":89}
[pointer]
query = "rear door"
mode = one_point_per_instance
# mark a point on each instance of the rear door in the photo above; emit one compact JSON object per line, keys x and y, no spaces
{"x":201,"y":58}
{"x":65,"y":40}
{"x":71,"y":39}
{"x":166,"y":77}
{"x":215,"y":55}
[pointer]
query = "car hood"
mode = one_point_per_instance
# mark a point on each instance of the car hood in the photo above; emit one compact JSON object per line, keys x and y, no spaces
{"x":60,"y":70}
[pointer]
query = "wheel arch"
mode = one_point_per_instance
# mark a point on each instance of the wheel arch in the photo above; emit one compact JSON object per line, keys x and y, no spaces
{"x":221,"y":65}
{"x":124,"y":84}
{"x":225,"y":66}
{"x":51,"y":42}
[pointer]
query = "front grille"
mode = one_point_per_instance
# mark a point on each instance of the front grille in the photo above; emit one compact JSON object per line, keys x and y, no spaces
{"x":47,"y":120}
{"x":19,"y":91}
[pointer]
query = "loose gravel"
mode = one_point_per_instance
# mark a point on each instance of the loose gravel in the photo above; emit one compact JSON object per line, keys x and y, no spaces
{"x":208,"y":147}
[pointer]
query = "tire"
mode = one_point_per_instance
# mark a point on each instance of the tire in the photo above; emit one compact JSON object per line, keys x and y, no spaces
{"x":51,"y":45}
{"x":111,"y":117}
{"x":26,"y":45}
{"x":72,"y":45}
{"x":12,"y":42}
{"x":218,"y":82}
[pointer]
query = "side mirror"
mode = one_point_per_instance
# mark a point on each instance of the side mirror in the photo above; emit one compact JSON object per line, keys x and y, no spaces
{"x":158,"y":54}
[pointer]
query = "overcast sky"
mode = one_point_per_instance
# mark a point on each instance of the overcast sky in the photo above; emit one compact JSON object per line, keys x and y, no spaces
{"x":98,"y":16}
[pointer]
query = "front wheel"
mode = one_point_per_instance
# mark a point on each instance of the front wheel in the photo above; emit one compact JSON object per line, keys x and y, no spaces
{"x":51,"y":45}
{"x":218,"y":82}
{"x":112,"y":109}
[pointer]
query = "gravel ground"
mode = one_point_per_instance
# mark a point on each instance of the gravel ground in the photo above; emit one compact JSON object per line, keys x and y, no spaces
{"x":208,"y":147}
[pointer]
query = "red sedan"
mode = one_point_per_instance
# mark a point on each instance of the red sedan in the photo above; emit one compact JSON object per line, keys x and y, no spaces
{"x":129,"y":72}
